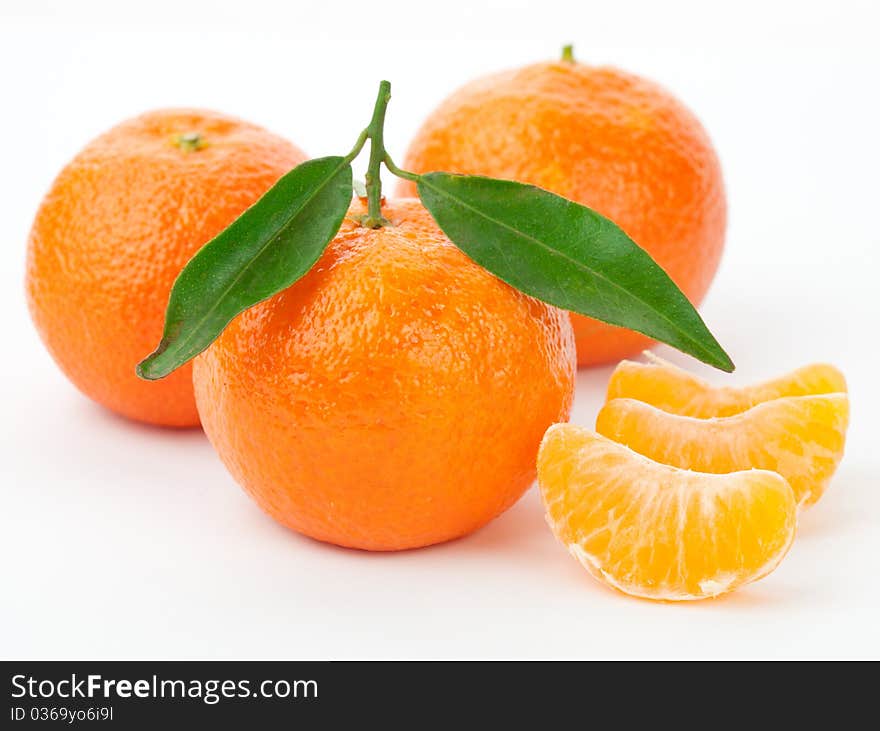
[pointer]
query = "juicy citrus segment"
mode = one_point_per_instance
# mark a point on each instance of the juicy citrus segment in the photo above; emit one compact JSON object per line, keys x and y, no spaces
{"x":658,"y":532}
{"x":672,"y":389}
{"x":800,"y":437}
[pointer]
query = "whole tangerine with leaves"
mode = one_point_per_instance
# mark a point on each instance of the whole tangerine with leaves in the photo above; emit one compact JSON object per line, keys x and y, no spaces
{"x":395,"y":396}
{"x":115,"y":229}
{"x":608,"y":139}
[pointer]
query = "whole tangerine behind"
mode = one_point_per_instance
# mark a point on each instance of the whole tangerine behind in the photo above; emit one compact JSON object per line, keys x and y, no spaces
{"x":395,"y":396}
{"x":608,"y":139}
{"x":118,"y":224}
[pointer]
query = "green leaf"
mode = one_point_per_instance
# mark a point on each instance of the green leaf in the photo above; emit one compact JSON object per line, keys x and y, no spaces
{"x":265,"y":250}
{"x":567,"y":255}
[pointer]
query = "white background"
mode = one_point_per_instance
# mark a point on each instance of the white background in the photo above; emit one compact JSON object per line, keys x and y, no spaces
{"x":119,"y":540}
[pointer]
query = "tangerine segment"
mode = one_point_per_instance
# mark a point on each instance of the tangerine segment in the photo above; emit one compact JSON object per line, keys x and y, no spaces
{"x":672,"y":389}
{"x":658,"y":532}
{"x":800,"y":437}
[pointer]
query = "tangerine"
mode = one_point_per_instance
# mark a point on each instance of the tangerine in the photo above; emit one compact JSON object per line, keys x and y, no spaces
{"x":393,"y":397}
{"x":116,"y":227}
{"x":608,"y":139}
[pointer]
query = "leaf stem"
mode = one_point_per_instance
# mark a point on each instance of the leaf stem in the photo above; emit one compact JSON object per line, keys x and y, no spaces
{"x":376,"y":132}
{"x":568,"y":53}
{"x":358,"y":146}
{"x":400,"y":172}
